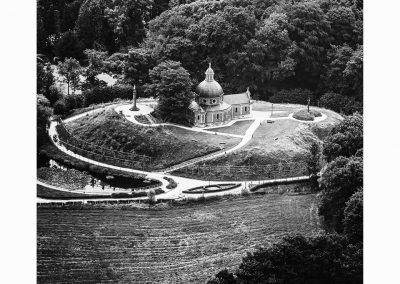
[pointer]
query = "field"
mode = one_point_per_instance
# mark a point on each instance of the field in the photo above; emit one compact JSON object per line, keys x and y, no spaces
{"x":238,"y":128}
{"x":178,"y":245}
{"x":165,"y":145}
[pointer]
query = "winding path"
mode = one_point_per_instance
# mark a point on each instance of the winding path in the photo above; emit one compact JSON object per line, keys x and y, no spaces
{"x":182,"y":183}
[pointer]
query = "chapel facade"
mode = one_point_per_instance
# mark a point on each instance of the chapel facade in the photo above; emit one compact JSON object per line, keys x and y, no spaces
{"x":211,"y":107}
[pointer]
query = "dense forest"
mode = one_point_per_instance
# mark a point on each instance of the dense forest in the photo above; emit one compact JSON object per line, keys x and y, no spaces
{"x":283,"y":50}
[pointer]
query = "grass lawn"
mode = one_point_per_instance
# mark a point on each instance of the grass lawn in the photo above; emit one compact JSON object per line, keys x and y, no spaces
{"x":238,"y":128}
{"x":280,"y":142}
{"x":167,"y":146}
{"x":266,"y":106}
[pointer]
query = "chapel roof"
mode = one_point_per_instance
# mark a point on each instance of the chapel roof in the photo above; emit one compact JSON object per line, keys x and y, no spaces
{"x":236,"y":99}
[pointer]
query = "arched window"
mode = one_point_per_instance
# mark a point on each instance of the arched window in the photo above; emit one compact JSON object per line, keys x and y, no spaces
{"x":214,"y":101}
{"x":204,"y":100}
{"x":217,"y":116}
{"x":198,"y":117}
{"x":245,"y":108}
{"x":235,"y":109}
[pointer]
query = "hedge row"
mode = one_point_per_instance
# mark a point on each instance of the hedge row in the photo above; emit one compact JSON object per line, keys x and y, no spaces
{"x":96,"y":95}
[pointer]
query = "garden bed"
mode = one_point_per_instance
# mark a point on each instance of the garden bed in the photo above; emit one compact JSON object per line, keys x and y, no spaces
{"x":306,"y":115}
{"x":212,"y":188}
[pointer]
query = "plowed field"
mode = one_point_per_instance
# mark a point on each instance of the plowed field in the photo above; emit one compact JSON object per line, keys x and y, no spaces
{"x":186,"y":244}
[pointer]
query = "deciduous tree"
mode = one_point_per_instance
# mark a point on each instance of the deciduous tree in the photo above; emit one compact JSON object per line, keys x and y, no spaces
{"x":171,"y":84}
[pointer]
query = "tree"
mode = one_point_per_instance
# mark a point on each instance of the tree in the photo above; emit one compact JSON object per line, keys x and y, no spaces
{"x":69,"y":45}
{"x":137,"y":64}
{"x":345,"y":139}
{"x":339,"y":181}
{"x":43,"y":112}
{"x":353,"y":217}
{"x":96,"y":60}
{"x":70,"y":69}
{"x":171,"y":83}
{"x":44,"y":78}
{"x":298,"y":259}
{"x":92,"y":26}
{"x":313,"y":164}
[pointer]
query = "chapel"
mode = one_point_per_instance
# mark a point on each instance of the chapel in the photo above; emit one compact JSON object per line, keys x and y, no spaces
{"x":211,"y":107}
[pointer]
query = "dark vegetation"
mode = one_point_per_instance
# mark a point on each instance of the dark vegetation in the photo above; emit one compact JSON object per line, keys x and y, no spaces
{"x":171,"y":183}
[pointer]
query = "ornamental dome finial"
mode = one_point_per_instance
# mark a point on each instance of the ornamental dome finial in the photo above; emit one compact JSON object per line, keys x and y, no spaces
{"x":209,"y":73}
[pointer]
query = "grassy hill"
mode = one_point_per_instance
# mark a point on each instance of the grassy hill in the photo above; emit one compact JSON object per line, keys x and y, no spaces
{"x":165,"y":145}
{"x":282,"y":141}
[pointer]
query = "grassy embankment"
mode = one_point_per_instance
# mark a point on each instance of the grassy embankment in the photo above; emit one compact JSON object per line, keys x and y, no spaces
{"x":167,"y":146}
{"x":283,"y":141}
{"x":238,"y":128}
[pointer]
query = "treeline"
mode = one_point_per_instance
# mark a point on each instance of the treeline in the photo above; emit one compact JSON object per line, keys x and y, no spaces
{"x":285,"y":51}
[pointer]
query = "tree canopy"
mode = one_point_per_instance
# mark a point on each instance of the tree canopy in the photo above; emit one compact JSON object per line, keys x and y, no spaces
{"x":298,"y":259}
{"x":171,"y":84}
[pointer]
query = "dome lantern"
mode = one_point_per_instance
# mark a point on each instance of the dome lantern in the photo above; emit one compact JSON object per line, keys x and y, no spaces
{"x":209,"y":73}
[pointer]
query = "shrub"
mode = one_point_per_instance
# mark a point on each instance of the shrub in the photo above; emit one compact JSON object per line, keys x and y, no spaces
{"x":74,"y":101}
{"x":53,"y":95}
{"x":60,"y":108}
{"x":293,"y":96}
{"x":305,"y":115}
{"x":340,"y":103}
{"x":107,"y":94}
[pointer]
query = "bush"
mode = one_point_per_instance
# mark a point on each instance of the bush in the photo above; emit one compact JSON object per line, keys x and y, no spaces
{"x":53,"y":95}
{"x":305,"y":115}
{"x":107,"y":94}
{"x":339,"y":103}
{"x":74,"y":101}
{"x":60,"y":108}
{"x":292,"y":96}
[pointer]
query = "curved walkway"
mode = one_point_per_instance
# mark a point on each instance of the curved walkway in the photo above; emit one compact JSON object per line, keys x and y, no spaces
{"x":183,"y":183}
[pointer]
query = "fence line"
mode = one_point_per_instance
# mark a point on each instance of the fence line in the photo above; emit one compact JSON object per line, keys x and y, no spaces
{"x":118,"y":158}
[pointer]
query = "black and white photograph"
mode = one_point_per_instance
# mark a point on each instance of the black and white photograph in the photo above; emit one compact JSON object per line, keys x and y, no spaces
{"x":196,"y":141}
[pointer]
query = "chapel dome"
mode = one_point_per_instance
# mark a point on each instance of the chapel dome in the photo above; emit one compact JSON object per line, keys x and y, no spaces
{"x":209,"y":88}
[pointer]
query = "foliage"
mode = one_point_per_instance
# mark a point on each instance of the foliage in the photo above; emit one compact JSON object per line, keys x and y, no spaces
{"x":107,"y":94}
{"x":340,"y":103}
{"x":96,"y":66}
{"x":306,"y":115}
{"x":293,"y":96}
{"x":345,"y":139}
{"x":298,"y":259}
{"x":314,"y":164}
{"x":70,"y":178}
{"x":171,"y":83}
{"x":70,"y":69}
{"x":353,"y":217}
{"x":339,"y":181}
{"x":44,"y":78}
{"x":43,"y":112}
{"x":60,"y":107}
{"x":69,"y":46}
